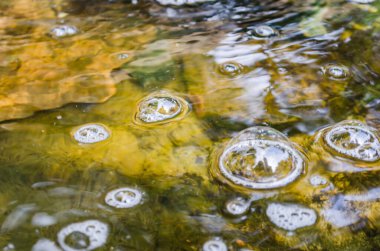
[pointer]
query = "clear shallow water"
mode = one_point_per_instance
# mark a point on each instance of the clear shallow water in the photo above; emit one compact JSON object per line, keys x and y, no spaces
{"x":122,"y":125}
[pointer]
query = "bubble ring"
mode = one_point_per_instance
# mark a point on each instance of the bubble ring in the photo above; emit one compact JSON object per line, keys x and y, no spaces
{"x":96,"y":231}
{"x":297,"y":161}
{"x":126,"y":201}
{"x":336,"y":72}
{"x":353,"y":153}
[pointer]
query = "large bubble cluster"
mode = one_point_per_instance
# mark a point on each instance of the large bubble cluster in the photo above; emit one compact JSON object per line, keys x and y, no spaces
{"x":91,"y":133}
{"x":124,"y":197}
{"x":86,"y":235}
{"x":291,"y":216}
{"x":161,"y":108}
{"x":260,"y":158}
{"x":352,"y":140}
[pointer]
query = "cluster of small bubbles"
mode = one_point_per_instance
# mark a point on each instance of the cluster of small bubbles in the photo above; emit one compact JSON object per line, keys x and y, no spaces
{"x":291,"y":216}
{"x":124,"y":197}
{"x":261,"y":158}
{"x":336,"y":71}
{"x":182,"y":2}
{"x":92,"y":133}
{"x":353,"y":140}
{"x":263,"y":31}
{"x":161,"y":108}
{"x":63,"y":31}
{"x":317,"y":180}
{"x":237,"y":206}
{"x":86,"y":235}
{"x":216,"y":244}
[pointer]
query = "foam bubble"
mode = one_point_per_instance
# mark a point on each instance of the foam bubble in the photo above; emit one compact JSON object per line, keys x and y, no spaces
{"x":64,"y":31}
{"x":161,"y":108}
{"x":216,"y":244}
{"x":263,"y":31}
{"x":336,"y":71}
{"x":124,"y":197}
{"x":182,"y":2}
{"x":261,"y":158}
{"x":353,"y":140}
{"x":291,"y":216}
{"x":317,"y":180}
{"x":362,"y":1}
{"x":86,"y":235}
{"x":45,"y":245}
{"x":237,"y":206}
{"x":92,"y":133}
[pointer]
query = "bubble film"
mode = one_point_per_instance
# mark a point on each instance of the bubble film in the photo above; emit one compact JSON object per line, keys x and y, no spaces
{"x":261,"y":158}
{"x":161,"y":108}
{"x":92,"y":133}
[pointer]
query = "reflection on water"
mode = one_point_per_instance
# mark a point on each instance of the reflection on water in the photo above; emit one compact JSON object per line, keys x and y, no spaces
{"x":189,"y":125}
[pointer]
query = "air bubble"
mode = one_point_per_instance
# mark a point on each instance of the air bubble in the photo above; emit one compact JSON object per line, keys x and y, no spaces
{"x":63,"y":31}
{"x":317,"y":180}
{"x":336,"y":71}
{"x":352,"y":140}
{"x":86,"y":235}
{"x":161,"y":108}
{"x":216,"y":244}
{"x":362,"y":1}
{"x":264,"y":31}
{"x":237,"y":206}
{"x":261,"y":158}
{"x":124,"y":197}
{"x":231,"y":69}
{"x":290,"y":216}
{"x":91,"y":133}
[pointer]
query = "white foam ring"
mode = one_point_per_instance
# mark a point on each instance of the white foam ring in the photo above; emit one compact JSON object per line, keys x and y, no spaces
{"x":96,"y":232}
{"x":291,"y":216}
{"x":124,"y":197}
{"x":216,"y":244}
{"x":269,"y":154}
{"x":237,"y":206}
{"x":92,"y":133}
{"x":352,"y":141}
